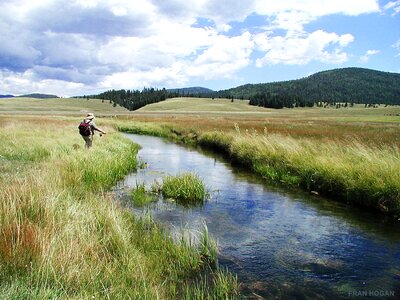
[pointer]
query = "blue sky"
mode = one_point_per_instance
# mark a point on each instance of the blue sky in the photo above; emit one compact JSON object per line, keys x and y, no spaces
{"x":81,"y":47}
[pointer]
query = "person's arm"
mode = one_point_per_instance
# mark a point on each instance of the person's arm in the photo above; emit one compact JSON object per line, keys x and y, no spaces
{"x":94,"y":127}
{"x":102,"y":131}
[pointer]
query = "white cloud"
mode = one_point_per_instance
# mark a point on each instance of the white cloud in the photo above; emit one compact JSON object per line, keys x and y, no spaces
{"x":292,"y":15}
{"x":27,"y":82}
{"x":301,"y":48}
{"x":365,"y":58}
{"x":397,"y":47}
{"x":223,"y":57}
{"x":95,"y":44}
{"x":393,"y":5}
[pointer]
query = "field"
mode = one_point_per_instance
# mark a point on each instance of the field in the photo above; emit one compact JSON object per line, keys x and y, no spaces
{"x":57,"y":106}
{"x":63,"y":236}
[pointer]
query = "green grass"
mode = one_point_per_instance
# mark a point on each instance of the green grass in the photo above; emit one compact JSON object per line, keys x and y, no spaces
{"x":186,"y":188}
{"x":184,"y":105}
{"x":63,"y":236}
{"x":141,"y":197}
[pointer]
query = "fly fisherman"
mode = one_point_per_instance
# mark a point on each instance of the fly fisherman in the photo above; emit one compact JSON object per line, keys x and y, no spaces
{"x":87,"y":128}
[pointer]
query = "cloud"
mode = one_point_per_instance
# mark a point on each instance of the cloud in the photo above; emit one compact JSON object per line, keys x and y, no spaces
{"x":97,"y":44}
{"x":27,"y":82}
{"x":302,"y":48}
{"x":293,"y":15}
{"x":365,"y":58}
{"x":397,"y":47}
{"x":223,"y":57}
{"x":394,"y":6}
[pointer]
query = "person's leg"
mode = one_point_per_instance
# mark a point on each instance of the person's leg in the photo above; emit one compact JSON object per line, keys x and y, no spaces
{"x":88,"y":140}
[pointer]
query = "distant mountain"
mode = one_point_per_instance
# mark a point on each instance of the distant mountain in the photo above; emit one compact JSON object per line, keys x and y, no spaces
{"x":356,"y":85}
{"x":6,"y":96}
{"x":39,"y":96}
{"x":196,"y":90}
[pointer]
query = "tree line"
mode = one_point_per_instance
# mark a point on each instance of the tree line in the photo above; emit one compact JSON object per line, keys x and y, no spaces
{"x":134,"y":99}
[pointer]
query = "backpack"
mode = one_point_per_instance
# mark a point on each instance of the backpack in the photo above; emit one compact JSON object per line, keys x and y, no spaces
{"x":85,"y":128}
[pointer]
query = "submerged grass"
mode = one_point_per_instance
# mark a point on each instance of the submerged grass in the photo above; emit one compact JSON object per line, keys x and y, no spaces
{"x":352,"y":171}
{"x":186,"y":188}
{"x":141,"y":197}
{"x":63,"y":236}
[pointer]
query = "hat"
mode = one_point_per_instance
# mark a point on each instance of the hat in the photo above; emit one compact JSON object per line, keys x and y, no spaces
{"x":90,"y":116}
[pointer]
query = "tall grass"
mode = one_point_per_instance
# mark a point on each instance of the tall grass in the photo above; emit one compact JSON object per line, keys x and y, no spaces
{"x":64,"y":236}
{"x":354,"y":172}
{"x":186,"y":188}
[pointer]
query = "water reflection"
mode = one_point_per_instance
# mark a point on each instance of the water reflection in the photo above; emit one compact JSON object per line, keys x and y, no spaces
{"x":281,"y":243}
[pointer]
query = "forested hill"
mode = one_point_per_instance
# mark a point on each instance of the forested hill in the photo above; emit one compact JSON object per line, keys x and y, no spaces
{"x":196,"y":90}
{"x":39,"y":96}
{"x":354,"y":85}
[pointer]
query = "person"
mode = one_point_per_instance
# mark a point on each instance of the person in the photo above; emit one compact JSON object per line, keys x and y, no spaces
{"x":87,"y":128}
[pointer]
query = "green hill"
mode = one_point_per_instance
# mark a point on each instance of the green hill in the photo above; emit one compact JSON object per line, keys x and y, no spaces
{"x":339,"y":85}
{"x":200,"y":105}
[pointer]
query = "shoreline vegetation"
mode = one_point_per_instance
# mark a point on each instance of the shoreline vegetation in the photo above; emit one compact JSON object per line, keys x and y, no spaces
{"x":64,"y":236}
{"x":355,"y":172}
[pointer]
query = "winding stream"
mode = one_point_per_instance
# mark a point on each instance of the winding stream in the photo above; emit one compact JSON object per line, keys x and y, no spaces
{"x":281,"y":243}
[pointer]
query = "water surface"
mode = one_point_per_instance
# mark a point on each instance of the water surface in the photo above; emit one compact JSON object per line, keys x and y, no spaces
{"x":281,"y":243}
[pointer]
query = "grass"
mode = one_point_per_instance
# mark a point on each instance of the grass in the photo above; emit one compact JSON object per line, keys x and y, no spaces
{"x":355,"y":173}
{"x":196,"y":105}
{"x":141,"y":197}
{"x":58,"y":106}
{"x":63,"y":236}
{"x":186,"y":189}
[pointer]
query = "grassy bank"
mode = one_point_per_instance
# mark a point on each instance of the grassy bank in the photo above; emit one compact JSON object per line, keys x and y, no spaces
{"x":63,"y":235}
{"x":352,"y":171}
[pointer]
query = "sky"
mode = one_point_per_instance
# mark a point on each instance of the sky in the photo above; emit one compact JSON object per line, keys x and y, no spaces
{"x":84,"y":47}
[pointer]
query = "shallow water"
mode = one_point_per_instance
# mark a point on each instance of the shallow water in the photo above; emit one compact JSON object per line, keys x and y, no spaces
{"x":282,"y":244}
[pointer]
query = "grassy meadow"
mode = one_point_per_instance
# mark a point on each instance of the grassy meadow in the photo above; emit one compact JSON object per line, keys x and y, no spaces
{"x":63,"y":236}
{"x":58,"y":106}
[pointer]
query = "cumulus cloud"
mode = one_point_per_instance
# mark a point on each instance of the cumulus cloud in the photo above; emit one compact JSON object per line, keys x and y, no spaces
{"x":301,"y":48}
{"x":97,"y":44}
{"x":27,"y":82}
{"x":223,"y":57}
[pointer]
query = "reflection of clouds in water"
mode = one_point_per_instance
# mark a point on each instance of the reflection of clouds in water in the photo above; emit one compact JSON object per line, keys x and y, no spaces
{"x":271,"y":235}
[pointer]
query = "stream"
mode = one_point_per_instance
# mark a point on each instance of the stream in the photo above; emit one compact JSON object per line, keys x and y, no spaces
{"x":281,"y":243}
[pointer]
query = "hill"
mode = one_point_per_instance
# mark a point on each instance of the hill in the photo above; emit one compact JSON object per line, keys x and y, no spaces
{"x":200,"y":105}
{"x":196,"y":90}
{"x":38,"y":96}
{"x":355,"y":85}
{"x":6,"y":96}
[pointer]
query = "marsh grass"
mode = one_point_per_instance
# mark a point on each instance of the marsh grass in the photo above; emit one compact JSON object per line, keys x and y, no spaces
{"x":64,"y":236}
{"x":186,"y":189}
{"x":141,"y":196}
{"x":356,"y":173}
